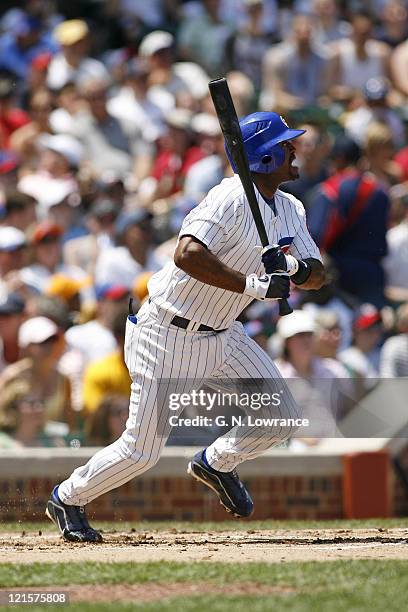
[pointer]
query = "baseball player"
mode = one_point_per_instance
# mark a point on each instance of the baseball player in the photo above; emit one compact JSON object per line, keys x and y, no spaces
{"x":187,"y":330}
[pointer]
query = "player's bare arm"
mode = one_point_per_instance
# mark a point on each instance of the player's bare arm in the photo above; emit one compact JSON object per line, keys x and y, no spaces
{"x":195,"y":259}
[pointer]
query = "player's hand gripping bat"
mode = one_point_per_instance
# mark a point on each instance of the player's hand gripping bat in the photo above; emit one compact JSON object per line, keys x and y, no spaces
{"x":229,"y":123}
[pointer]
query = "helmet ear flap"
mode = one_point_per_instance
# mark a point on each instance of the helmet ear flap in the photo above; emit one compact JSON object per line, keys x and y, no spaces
{"x":272,"y":160}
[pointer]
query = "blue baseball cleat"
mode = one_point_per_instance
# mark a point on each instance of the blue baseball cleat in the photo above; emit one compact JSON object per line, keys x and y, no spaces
{"x":70,"y":520}
{"x":227,"y":485}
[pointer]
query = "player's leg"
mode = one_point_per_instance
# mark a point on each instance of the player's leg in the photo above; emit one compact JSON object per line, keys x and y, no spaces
{"x":152,"y":352}
{"x":215,"y":466}
{"x":249,"y":361}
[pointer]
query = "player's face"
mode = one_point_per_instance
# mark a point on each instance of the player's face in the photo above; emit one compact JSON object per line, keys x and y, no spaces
{"x":289,"y":166}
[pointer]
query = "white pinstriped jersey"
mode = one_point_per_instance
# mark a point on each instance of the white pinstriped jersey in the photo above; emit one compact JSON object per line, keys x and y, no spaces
{"x":224,"y":223}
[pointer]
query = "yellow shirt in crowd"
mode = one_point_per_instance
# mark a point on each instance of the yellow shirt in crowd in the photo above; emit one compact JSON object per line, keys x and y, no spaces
{"x":107,"y":376}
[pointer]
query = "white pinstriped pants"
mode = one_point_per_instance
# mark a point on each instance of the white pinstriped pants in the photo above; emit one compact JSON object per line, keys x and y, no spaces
{"x":154,"y":351}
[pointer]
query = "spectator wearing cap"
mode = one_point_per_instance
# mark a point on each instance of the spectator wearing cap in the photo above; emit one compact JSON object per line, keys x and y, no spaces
{"x":157,"y":49}
{"x":47,"y":251}
{"x":109,"y":375}
{"x":375,"y":108}
{"x":318,"y":379}
{"x":348,"y":219}
{"x":19,"y":209}
{"x":107,"y":146}
{"x":20,"y":45}
{"x":246,"y":47}
{"x":394,"y":353}
{"x":12,"y":250}
{"x":362,"y":358}
{"x":72,"y":62}
{"x":23,"y":140}
{"x":100,"y":223}
{"x":357,"y":58}
{"x":11,"y":117}
{"x":295,"y":72}
{"x":41,"y":346}
{"x":134,"y":251}
{"x":202,"y":38}
{"x":12,"y":308}
{"x":95,"y":339}
{"x":176,"y":157}
{"x":312,"y":149}
{"x":54,"y":178}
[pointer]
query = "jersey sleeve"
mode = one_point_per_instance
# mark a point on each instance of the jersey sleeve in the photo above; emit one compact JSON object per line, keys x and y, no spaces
{"x":211,"y":224}
{"x":303,"y":245}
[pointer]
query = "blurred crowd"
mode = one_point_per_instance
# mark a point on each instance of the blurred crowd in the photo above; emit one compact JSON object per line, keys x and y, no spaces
{"x":108,"y":138}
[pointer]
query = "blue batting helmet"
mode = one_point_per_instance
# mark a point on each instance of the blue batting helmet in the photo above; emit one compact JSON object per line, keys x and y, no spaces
{"x":262,"y":134}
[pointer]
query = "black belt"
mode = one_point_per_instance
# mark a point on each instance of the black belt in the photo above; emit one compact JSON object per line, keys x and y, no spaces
{"x":183,"y":323}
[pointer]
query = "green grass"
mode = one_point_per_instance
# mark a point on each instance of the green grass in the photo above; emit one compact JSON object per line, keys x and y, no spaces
{"x":8,"y":527}
{"x":338,"y":586}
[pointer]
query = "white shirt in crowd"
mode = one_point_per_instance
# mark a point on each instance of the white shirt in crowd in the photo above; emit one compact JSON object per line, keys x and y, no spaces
{"x":93,"y":340}
{"x":396,"y":262}
{"x":117,"y":263}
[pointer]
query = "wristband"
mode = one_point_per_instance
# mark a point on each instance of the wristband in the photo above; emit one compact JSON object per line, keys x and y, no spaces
{"x":302,"y":274}
{"x":292,"y":265}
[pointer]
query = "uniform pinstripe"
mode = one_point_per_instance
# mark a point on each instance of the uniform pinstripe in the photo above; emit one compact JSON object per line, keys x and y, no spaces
{"x":156,"y":350}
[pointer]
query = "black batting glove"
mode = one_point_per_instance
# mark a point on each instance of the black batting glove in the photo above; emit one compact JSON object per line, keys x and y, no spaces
{"x":274,"y":259}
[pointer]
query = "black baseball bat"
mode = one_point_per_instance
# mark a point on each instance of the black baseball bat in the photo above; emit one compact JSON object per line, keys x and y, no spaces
{"x":229,"y":123}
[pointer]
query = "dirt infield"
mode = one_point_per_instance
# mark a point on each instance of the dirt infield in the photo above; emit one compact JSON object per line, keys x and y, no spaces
{"x":268,"y":546}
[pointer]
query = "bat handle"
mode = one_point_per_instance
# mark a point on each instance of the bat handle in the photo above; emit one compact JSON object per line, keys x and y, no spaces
{"x":284,"y":307}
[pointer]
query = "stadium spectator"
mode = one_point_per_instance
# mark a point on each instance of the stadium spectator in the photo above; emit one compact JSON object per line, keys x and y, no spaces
{"x":393,"y":28}
{"x":328,"y":27}
{"x":12,"y":251}
{"x":42,"y":344}
{"x":83,"y":251}
{"x":357,"y":58}
{"x":107,"y":422}
{"x":95,"y":338}
{"x":399,"y":64}
{"x":246,"y":47}
{"x":23,"y":140}
{"x":396,"y":262}
{"x":21,"y":44}
{"x":11,"y":316}
{"x":157,"y":49}
{"x":134,"y":251}
{"x":348,"y":220}
{"x":23,"y":417}
{"x":18,"y":210}
{"x":202,"y":38}
{"x":394,"y":353}
{"x":376,"y":108}
{"x":379,"y":153}
{"x":72,"y":63}
{"x":107,"y":147}
{"x":109,"y":375}
{"x":47,"y":251}
{"x":362,"y":359}
{"x":295,"y":72}
{"x":11,"y":116}
{"x":327,"y":334}
{"x":315,"y":387}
